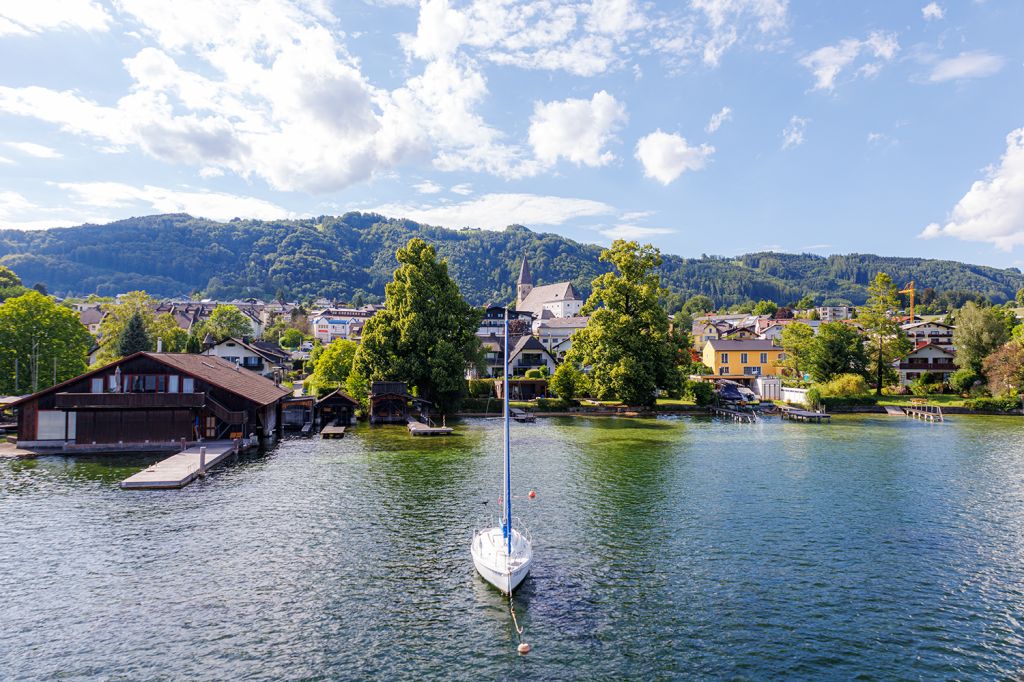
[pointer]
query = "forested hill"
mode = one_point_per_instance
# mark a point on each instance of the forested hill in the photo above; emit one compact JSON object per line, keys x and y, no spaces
{"x":339,"y":257}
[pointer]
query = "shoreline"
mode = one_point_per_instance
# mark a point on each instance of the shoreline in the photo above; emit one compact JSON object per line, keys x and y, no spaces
{"x":643,"y":413}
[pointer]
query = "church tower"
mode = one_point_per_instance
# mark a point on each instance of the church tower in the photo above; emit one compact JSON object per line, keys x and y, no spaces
{"x":525,"y":284}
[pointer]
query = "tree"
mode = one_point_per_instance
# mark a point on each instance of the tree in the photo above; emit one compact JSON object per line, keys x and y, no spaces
{"x":134,"y":337}
{"x":1004,"y":369}
{"x":885,"y":341}
{"x":173,"y":338}
{"x":796,"y":342}
{"x":837,"y":349}
{"x":194,"y":345}
{"x":42,"y":336}
{"x":978,"y":332}
{"x":274,"y":332}
{"x":290,"y":338}
{"x":1020,"y":296}
{"x":698,"y":305}
{"x":963,"y":379}
{"x":568,"y":381}
{"x":333,"y":365}
{"x":117,"y":315}
{"x":426,"y":333}
{"x":626,"y":343}
{"x":805,"y":303}
{"x":10,"y":284}
{"x":227,"y":321}
{"x":764,"y":307}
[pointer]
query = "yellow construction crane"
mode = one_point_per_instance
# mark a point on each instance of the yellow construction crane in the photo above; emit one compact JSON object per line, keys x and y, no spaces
{"x":909,"y":289}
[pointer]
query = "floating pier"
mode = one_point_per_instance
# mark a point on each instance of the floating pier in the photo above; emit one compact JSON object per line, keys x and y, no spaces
{"x":420,"y":429}
{"x":333,"y":431}
{"x":179,"y":470}
{"x":797,"y":415}
{"x":735,"y":415}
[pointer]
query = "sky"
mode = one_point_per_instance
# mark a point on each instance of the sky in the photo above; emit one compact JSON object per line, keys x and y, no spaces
{"x":701,"y":126}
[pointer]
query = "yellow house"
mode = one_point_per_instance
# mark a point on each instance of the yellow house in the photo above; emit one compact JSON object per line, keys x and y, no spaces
{"x":747,"y":357}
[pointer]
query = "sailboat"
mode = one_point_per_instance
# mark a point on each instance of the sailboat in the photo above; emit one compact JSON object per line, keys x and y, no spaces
{"x":503,"y":554}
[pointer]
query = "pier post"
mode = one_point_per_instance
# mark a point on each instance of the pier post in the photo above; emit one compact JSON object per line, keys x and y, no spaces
{"x":202,"y":460}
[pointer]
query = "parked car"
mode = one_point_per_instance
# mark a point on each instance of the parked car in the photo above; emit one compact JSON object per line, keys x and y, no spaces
{"x":306,"y":346}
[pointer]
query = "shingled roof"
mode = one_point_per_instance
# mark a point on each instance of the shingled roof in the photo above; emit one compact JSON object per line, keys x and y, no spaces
{"x":225,"y":375}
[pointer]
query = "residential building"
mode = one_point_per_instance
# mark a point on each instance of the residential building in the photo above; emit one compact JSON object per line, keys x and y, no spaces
{"x":743,"y":358}
{"x":525,"y":353}
{"x":339,"y":323}
{"x":546,"y":301}
{"x":557,"y":333}
{"x":265,"y":358}
{"x":90,"y":317}
{"x":932,"y":358}
{"x":773,"y":332}
{"x":935,"y":333}
{"x":493,"y":321}
{"x":151,"y":399}
{"x":835,"y":313}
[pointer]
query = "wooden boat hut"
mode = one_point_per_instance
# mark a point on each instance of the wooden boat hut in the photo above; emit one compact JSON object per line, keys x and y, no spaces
{"x":149,"y":399}
{"x":336,"y":406}
{"x":389,"y":402}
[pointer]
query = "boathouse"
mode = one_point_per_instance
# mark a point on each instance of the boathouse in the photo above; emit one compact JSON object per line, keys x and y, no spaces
{"x":336,"y":406}
{"x":389,"y":402}
{"x":148,"y":399}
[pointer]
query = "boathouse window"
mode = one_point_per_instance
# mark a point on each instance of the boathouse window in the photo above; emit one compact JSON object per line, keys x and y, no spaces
{"x":112,"y":382}
{"x":188,"y":385}
{"x":743,"y":358}
{"x":96,"y":385}
{"x":172,"y":383}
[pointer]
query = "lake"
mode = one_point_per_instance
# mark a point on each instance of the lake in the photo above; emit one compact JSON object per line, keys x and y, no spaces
{"x":871,"y":548}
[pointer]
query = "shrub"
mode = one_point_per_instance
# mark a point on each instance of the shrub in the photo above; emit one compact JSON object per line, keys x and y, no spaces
{"x":813,"y":397}
{"x":845,"y":386}
{"x":700,"y":392}
{"x":480,"y":388}
{"x":849,"y":401}
{"x":534,"y":374}
{"x":963,"y":380}
{"x":1008,"y":403}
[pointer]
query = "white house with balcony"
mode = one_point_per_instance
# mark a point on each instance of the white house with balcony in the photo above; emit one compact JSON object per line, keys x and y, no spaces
{"x":555,"y":334}
{"x":937,"y":360}
{"x":935,"y":333}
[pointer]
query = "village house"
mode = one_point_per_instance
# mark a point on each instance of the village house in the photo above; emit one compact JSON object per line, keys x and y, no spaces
{"x":935,"y":333}
{"x":557,"y":333}
{"x":773,"y":331}
{"x":340,"y":323}
{"x":525,"y":353}
{"x":743,"y":358}
{"x":932,"y":358}
{"x":91,"y":316}
{"x":547,"y":301}
{"x":493,"y":321}
{"x":835,"y":313}
{"x":265,"y":358}
{"x":151,"y":399}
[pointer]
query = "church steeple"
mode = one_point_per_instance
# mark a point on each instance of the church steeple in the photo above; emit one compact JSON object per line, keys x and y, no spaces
{"x":525,"y":283}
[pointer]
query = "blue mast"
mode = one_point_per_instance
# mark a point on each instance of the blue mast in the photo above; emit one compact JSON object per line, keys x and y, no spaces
{"x":507,"y":526}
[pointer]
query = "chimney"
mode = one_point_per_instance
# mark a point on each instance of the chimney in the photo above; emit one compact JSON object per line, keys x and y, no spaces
{"x":159,"y":345}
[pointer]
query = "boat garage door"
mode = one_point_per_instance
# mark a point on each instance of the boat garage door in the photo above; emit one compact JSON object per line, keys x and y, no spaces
{"x":52,"y":423}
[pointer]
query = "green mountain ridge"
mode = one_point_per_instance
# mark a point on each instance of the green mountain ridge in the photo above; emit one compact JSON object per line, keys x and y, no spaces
{"x":342,"y":256}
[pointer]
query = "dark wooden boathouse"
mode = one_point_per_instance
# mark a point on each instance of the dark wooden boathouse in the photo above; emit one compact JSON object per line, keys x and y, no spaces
{"x":389,"y":402}
{"x":336,"y":406}
{"x":152,"y":398}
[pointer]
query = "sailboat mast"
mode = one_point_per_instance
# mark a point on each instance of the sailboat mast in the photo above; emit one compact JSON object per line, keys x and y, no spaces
{"x":508,"y":462}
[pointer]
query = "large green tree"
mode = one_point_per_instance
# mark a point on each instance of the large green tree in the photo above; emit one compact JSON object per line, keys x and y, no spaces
{"x":333,"y":366}
{"x":227,"y":321}
{"x":884,"y":340}
{"x":43,"y":337}
{"x":1004,"y":368}
{"x":426,"y":333}
{"x":173,"y":338}
{"x":837,"y":349}
{"x":10,"y":284}
{"x":117,"y":315}
{"x":797,"y":339}
{"x":978,"y":332}
{"x":626,"y":344}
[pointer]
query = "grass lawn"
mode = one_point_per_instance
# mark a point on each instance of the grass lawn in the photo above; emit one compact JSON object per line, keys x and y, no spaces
{"x":669,"y":403}
{"x":905,"y":400}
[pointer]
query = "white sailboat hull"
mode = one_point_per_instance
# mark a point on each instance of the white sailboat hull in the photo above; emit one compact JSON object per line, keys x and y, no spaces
{"x":495,"y":564}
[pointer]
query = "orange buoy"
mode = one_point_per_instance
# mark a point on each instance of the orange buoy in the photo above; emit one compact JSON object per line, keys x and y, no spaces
{"x":523,"y":648}
{"x":533,"y":494}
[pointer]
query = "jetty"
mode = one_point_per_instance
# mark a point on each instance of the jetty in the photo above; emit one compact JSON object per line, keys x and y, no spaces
{"x":522,"y":417}
{"x":735,"y":415}
{"x":333,"y":431}
{"x":894,"y":411}
{"x":931,"y":413}
{"x":180,"y":469}
{"x":417,"y":428}
{"x":807,"y":416}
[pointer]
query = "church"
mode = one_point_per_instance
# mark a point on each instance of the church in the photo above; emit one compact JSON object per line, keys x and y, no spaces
{"x":546,"y":301}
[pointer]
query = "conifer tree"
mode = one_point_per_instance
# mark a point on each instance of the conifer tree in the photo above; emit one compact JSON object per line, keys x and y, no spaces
{"x":134,"y":338}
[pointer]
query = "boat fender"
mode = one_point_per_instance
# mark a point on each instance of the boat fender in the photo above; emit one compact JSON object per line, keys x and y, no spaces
{"x":533,"y":494}
{"x":523,"y":648}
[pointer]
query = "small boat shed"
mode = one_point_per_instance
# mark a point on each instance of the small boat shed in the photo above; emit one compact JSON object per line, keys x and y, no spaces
{"x":389,"y":402}
{"x":337,"y":406}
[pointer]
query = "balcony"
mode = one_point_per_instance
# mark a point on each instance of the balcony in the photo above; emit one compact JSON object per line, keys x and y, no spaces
{"x":129,"y":401}
{"x":924,"y":367}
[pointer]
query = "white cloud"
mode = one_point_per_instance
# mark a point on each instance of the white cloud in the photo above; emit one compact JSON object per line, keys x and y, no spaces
{"x":932,"y":12}
{"x":496,"y":211}
{"x":717,"y":119}
{"x":966,"y":65}
{"x":214,"y":205}
{"x":816,"y":247}
{"x":37,"y":150}
{"x":728,"y":20}
{"x":5,"y":160}
{"x":633,"y":216}
{"x":993,"y":209}
{"x":12,"y":203}
{"x":576,"y":129}
{"x":28,"y":17}
{"x":828,"y":62}
{"x":666,"y":156}
{"x":427,"y":187}
{"x":463,"y":189}
{"x":627,"y":231}
{"x":793,"y":134}
{"x":210,"y":172}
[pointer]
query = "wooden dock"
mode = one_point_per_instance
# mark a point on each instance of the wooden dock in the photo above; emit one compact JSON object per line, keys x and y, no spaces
{"x":420,"y":429}
{"x":522,"y":417}
{"x":735,"y":415}
{"x":930,"y":413}
{"x":333,"y":431}
{"x":894,"y":411}
{"x":808,"y":416}
{"x":179,"y":470}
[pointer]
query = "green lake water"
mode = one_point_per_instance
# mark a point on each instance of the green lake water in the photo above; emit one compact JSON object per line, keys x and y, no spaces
{"x":871,"y":548}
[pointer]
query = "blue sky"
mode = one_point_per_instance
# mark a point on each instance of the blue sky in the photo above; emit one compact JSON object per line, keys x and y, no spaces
{"x":705,"y":126}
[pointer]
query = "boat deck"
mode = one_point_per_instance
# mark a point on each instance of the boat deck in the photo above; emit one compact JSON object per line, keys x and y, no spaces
{"x":796,"y":415}
{"x":333,"y":432}
{"x":179,"y":469}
